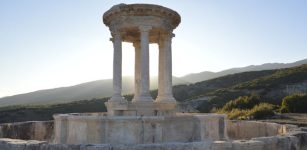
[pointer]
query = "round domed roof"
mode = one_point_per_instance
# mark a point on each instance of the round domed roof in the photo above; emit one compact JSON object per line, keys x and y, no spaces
{"x":141,"y":10}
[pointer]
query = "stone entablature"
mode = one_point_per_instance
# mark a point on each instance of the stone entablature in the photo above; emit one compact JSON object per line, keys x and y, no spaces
{"x":141,"y":10}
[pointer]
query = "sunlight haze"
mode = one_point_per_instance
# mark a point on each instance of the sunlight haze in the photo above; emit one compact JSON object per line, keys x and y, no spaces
{"x":54,"y":43}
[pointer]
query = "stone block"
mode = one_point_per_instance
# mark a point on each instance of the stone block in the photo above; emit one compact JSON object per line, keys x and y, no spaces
{"x":59,"y":147}
{"x":177,"y":146}
{"x":34,"y":145}
{"x":205,"y":145}
{"x":302,"y":139}
{"x":12,"y":144}
{"x":270,"y":143}
{"x":247,"y":145}
{"x":147,"y":147}
{"x":221,"y":145}
{"x":95,"y":147}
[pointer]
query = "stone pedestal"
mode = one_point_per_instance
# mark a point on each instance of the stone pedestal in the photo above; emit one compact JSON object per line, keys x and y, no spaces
{"x":140,"y":108}
{"x":99,"y":128}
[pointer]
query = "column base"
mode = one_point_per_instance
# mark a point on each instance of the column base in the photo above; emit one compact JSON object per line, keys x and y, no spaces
{"x":117,"y":98}
{"x":140,"y":108}
{"x":143,"y":99}
{"x":165,"y":99}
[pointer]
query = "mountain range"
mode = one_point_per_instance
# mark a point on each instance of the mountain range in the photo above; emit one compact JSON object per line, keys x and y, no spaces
{"x":205,"y":96}
{"x":206,"y":75}
{"x":103,"y":88}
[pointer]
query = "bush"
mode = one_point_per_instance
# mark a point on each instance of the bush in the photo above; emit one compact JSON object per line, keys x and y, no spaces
{"x":242,"y":102}
{"x":263,"y":110}
{"x":247,"y":107}
{"x":237,"y":114}
{"x":296,"y":103}
{"x":260,"y":111}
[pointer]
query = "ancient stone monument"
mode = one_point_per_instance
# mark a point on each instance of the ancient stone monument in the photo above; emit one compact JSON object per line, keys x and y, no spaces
{"x":144,"y":123}
{"x":142,"y":24}
{"x":143,"y":120}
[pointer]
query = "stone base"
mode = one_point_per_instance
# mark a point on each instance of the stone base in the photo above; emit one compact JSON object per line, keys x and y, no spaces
{"x":140,"y":108}
{"x":98,"y":128}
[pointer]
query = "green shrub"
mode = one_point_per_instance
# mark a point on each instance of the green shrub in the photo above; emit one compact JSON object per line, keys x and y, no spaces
{"x":237,"y":114}
{"x":263,"y":110}
{"x":242,"y":102}
{"x":296,"y":103}
{"x":260,"y":111}
{"x":247,"y":107}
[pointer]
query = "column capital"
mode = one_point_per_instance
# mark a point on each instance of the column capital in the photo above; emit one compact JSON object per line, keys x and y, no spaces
{"x":136,"y":44}
{"x":117,"y":34}
{"x":166,"y":36}
{"x":145,"y":28}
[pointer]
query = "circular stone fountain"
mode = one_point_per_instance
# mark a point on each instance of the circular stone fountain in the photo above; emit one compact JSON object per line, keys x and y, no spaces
{"x":145,"y":123}
{"x":143,"y":120}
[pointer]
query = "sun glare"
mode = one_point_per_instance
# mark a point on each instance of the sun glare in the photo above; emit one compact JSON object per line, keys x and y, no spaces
{"x":128,"y":59}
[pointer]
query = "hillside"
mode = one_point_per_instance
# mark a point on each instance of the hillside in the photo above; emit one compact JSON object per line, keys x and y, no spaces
{"x":103,"y":88}
{"x":271,"y":88}
{"x":89,"y":90}
{"x":22,"y":113}
{"x":206,"y":75}
{"x":270,"y":85}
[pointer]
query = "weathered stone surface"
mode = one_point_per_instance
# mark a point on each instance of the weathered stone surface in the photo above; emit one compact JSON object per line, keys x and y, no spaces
{"x":247,"y":145}
{"x":142,"y":24}
{"x":302,"y":138}
{"x":221,"y":145}
{"x":269,"y":142}
{"x":249,"y":129}
{"x":15,"y":144}
{"x":32,"y":130}
{"x":138,"y":130}
{"x":95,"y":147}
{"x":287,"y":143}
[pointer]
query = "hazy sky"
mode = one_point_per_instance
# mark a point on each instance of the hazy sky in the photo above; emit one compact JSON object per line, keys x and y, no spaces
{"x":54,"y":43}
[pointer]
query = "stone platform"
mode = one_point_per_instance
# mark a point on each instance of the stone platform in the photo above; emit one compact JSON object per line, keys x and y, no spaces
{"x":140,"y":108}
{"x":99,"y":128}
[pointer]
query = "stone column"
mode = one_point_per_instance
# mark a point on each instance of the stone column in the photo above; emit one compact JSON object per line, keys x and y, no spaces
{"x":144,"y":85}
{"x":117,"y":67}
{"x":137,"y":69}
{"x":165,"y":93}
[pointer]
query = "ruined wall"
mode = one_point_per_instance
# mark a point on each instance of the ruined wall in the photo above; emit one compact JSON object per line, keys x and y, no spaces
{"x":293,"y":138}
{"x":290,"y":142}
{"x":237,"y":129}
{"x":32,"y":130}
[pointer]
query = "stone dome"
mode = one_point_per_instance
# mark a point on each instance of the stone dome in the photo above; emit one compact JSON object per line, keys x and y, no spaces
{"x":141,"y":10}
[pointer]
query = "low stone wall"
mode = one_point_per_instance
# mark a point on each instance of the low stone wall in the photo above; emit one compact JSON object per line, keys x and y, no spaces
{"x":237,"y":129}
{"x":289,"y":142}
{"x":291,"y":138}
{"x":32,"y":130}
{"x":96,"y":128}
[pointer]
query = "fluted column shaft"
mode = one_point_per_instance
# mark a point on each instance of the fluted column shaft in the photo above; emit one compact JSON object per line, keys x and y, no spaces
{"x":165,"y":93}
{"x":144,"y":86}
{"x":117,"y":67}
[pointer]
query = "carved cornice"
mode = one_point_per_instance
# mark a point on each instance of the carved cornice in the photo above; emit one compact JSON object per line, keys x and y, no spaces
{"x":141,"y":10}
